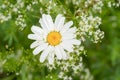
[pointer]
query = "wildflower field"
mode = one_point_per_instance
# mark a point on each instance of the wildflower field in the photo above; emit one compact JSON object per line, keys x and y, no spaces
{"x":59,"y":39}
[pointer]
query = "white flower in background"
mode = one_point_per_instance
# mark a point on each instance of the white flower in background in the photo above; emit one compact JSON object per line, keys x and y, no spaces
{"x":53,"y":38}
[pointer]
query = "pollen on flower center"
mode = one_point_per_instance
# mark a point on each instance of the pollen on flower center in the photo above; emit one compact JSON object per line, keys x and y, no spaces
{"x":54,"y":38}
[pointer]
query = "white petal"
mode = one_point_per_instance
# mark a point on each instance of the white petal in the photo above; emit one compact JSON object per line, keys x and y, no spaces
{"x":57,"y":19}
{"x":51,"y":58}
{"x":45,"y":54}
{"x":36,"y":30}
{"x":75,"y":42}
{"x":50,"y":22}
{"x":66,"y":26}
{"x":46,"y":22}
{"x":59,"y":22}
{"x":67,"y":36}
{"x":71,"y":30}
{"x":35,"y":37}
{"x":64,"y":54}
{"x":43,"y":25}
{"x":57,"y":52}
{"x":67,"y":46}
{"x":40,"y":48}
{"x":34,"y":44}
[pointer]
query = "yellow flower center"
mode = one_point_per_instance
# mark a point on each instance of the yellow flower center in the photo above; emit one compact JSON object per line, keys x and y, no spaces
{"x":54,"y":38}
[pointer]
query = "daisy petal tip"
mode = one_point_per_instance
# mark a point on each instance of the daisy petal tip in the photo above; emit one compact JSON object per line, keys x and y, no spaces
{"x":31,"y":46}
{"x":71,"y":50}
{"x":59,"y":15}
{"x":71,"y":22}
{"x":51,"y":62}
{"x":41,"y":60}
{"x":33,"y":27}
{"x":78,"y":42}
{"x":34,"y":53}
{"x":65,"y":58}
{"x":29,"y":36}
{"x":43,"y":14}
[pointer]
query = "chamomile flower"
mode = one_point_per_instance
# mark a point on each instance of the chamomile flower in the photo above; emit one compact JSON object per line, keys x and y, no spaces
{"x":53,"y":39}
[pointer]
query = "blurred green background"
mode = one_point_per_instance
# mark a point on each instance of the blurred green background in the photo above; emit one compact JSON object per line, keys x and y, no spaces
{"x":103,"y":59}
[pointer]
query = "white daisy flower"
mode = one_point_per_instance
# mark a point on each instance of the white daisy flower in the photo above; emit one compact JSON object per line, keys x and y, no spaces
{"x":53,"y":38}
